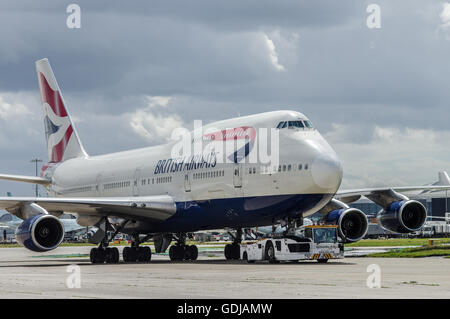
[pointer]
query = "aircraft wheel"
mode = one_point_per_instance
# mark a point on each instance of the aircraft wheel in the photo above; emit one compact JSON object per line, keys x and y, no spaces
{"x":111,"y":255}
{"x":236,"y":251}
{"x":144,"y":254}
{"x":148,"y":254}
{"x":322,"y":261}
{"x":129,"y":254}
{"x":193,"y":252}
{"x":172,"y":253}
{"x":97,"y":256}
{"x":93,"y":255}
{"x":108,"y":255}
{"x":115,"y":256}
{"x":176,"y":253}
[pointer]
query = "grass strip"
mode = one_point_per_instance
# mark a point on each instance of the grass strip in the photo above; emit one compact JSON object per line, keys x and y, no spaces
{"x":415,"y":252}
{"x":395,"y":242}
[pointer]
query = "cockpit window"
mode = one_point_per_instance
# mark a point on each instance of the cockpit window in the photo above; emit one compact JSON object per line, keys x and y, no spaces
{"x":295,"y":124}
{"x":308,"y":124}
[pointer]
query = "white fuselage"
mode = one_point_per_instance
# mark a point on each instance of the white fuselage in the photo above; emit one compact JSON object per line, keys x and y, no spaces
{"x":306,"y":166}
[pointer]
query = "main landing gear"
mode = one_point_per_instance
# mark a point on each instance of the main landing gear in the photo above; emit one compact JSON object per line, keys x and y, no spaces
{"x":233,"y":251}
{"x":103,"y":253}
{"x":111,"y":255}
{"x":136,"y":253}
{"x":180,"y":251}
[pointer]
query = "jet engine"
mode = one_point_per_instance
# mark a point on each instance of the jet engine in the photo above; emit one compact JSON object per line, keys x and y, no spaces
{"x":352,"y":223}
{"x":403,"y":216}
{"x":40,"y":233}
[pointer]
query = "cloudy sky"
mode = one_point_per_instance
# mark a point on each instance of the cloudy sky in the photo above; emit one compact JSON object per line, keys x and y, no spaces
{"x":135,"y":70}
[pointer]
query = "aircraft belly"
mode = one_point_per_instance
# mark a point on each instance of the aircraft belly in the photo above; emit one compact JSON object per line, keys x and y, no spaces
{"x":239,"y":212}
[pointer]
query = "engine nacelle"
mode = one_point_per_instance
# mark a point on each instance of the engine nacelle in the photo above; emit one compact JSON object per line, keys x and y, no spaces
{"x":404,"y":216}
{"x":40,"y":233}
{"x":352,"y":223}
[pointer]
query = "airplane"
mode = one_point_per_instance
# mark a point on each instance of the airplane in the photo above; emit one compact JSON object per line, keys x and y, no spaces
{"x":163,"y":192}
{"x":443,"y":179}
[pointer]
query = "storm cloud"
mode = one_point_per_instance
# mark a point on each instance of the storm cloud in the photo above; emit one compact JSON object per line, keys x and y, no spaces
{"x":134,"y":70}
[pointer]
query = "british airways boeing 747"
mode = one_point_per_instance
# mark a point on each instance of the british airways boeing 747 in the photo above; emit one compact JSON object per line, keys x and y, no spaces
{"x":163,"y":192}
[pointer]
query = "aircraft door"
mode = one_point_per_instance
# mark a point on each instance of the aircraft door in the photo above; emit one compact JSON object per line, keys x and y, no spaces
{"x":187,"y":183}
{"x":237,"y":176}
{"x":137,"y":175}
{"x":275,"y":181}
{"x":98,"y":185}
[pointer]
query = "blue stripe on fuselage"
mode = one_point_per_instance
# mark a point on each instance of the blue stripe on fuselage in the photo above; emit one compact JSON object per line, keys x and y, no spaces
{"x":237,"y":212}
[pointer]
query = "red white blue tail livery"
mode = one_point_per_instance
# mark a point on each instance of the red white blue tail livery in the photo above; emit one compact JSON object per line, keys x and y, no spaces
{"x":63,"y":142}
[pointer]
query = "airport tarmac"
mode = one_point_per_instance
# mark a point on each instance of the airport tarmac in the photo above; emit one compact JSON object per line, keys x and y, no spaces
{"x":25,"y":274}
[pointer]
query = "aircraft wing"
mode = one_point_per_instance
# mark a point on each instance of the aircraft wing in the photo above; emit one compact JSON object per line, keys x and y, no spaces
{"x":352,"y":195}
{"x":26,"y":179}
{"x":146,"y":208}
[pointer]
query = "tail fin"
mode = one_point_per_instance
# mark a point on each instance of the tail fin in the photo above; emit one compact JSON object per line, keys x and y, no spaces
{"x":443,"y":178}
{"x":63,"y":142}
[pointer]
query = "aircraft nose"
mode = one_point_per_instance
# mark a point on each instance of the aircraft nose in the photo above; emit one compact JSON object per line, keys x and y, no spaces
{"x":326,"y":172}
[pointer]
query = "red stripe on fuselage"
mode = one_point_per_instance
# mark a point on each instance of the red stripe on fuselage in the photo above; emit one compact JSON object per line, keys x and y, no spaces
{"x":58,"y":149}
{"x":53,"y":98}
{"x":243,"y":132}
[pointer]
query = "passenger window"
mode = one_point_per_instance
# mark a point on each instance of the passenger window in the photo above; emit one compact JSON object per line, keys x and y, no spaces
{"x":254,"y":170}
{"x":289,"y":167}
{"x":284,"y":168}
{"x":306,"y":166}
{"x":299,"y":167}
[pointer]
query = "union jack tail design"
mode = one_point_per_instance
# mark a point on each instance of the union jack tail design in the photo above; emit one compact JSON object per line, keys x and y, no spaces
{"x":63,"y":142}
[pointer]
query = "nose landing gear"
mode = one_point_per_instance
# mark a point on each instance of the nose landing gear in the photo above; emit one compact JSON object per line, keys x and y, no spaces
{"x":233,"y":251}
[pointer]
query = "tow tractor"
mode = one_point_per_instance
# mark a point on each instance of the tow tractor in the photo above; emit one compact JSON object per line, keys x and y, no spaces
{"x":312,"y":242}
